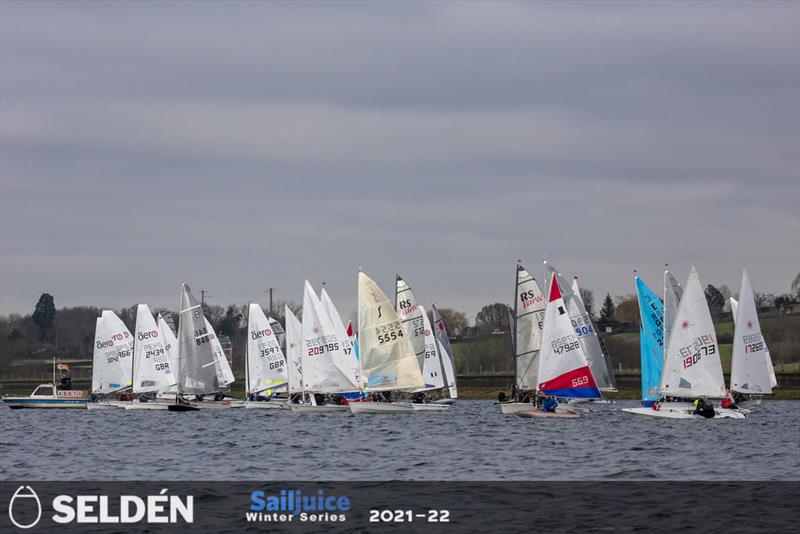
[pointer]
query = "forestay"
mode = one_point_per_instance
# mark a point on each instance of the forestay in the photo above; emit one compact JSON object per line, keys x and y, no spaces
{"x":651,"y":340}
{"x":266,"y":366}
{"x":563,"y":368}
{"x":584,"y":329}
{"x":326,"y":367}
{"x":294,"y":352}
{"x":113,"y":353}
{"x":749,"y":371}
{"x":411,"y":316}
{"x":529,"y":306}
{"x":692,"y":366}
{"x":388,"y":360}
{"x":152,"y":370}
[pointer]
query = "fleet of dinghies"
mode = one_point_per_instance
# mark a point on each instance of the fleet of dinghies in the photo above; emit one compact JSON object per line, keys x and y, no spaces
{"x":401,"y":361}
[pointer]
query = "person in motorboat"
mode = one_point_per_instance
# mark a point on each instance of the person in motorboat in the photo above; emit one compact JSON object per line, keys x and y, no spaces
{"x":703,"y":408}
{"x":549,"y":404}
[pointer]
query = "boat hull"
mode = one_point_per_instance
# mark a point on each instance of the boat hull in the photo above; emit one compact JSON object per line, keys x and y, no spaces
{"x":445,"y":401}
{"x":322,"y":408}
{"x":509,"y":408}
{"x":381,"y":407}
{"x":266,"y":405}
{"x":147,"y":406}
{"x":17,"y":403}
{"x":532,"y":414}
{"x":432,"y":407}
{"x":675,"y":413}
{"x":101,"y":406}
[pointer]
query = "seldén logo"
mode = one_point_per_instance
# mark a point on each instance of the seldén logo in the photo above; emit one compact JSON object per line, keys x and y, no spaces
{"x":25,"y":499}
{"x":101,"y":509}
{"x":290,"y":505}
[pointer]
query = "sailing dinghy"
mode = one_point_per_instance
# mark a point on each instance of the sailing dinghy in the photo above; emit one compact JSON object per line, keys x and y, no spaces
{"x":432,"y":371}
{"x":563,"y":368}
{"x":265,"y":366}
{"x":112,"y":362}
{"x":327,"y":367}
{"x":387,"y":358}
{"x":202,"y":366}
{"x":526,"y":335}
{"x":752,"y":372}
{"x":692,"y":366}
{"x":446,"y":353}
{"x":651,"y":341}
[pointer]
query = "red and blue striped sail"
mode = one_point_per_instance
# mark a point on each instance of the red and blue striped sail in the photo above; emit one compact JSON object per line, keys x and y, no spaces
{"x":563,"y":368}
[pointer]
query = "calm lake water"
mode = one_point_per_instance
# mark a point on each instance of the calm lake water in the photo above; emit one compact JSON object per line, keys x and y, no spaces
{"x":470,"y":442}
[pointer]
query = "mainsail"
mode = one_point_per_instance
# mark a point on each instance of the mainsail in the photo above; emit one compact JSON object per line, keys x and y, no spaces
{"x":199,"y":370}
{"x":749,"y":371}
{"x":773,"y":380}
{"x":529,"y":306}
{"x":341,"y":332}
{"x":266,"y":366}
{"x":294,"y":352}
{"x":326,"y":367}
{"x":432,"y":365}
{"x":388,"y":360}
{"x":411,"y":316}
{"x":585,"y":330}
{"x":151,"y":368}
{"x":113,"y":353}
{"x":171,"y":350}
{"x":563,"y":368}
{"x":651,"y":340}
{"x":446,"y":352}
{"x":692,"y":367}
{"x":672,"y":297}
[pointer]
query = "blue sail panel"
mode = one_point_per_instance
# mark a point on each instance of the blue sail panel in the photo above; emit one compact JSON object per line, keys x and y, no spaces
{"x":651,"y":340}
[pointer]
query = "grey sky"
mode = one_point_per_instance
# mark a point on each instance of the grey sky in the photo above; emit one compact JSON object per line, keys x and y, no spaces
{"x":242,"y":146}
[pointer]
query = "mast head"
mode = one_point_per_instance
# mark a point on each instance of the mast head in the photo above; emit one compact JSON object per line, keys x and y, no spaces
{"x":555,"y":291}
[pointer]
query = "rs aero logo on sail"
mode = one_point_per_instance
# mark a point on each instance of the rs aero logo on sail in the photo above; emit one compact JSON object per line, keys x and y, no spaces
{"x":23,"y":501}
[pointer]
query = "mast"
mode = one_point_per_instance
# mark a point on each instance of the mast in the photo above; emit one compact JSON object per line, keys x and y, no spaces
{"x":514,"y":333}
{"x":247,"y":360}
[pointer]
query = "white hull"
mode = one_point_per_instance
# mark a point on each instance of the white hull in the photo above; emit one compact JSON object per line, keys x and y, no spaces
{"x":147,"y":406}
{"x":265,"y":405}
{"x":531,"y":414}
{"x":508,"y":408}
{"x":323,"y":408}
{"x":102,"y":406}
{"x":445,"y":401}
{"x":433,"y":407}
{"x":381,"y":407}
{"x":675,"y":413}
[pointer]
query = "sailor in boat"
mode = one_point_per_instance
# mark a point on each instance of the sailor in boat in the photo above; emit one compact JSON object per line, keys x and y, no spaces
{"x":703,"y":408}
{"x":549,"y":404}
{"x":728,"y":404}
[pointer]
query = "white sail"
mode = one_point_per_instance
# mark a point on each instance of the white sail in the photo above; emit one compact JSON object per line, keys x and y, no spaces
{"x":672,"y":297}
{"x":388,"y":360}
{"x":692,"y":366}
{"x":773,"y":380}
{"x":266,"y":366}
{"x":563,"y":368}
{"x":294,"y":352}
{"x":112,"y":368}
{"x":171,"y":349}
{"x":449,"y":372}
{"x":446,"y":352}
{"x":586,"y":332}
{"x":326,"y":367}
{"x":152,"y":369}
{"x":529,"y":306}
{"x":432,"y":366}
{"x":280,"y":333}
{"x":749,"y":371}
{"x":341,"y":333}
{"x":224,"y":372}
{"x":411,"y":316}
{"x":197,"y":359}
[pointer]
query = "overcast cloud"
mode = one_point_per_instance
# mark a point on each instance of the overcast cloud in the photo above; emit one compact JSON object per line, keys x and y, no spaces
{"x":240,"y":146}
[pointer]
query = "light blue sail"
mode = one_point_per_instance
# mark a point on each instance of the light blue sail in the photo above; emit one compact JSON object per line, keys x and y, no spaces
{"x":651,"y":341}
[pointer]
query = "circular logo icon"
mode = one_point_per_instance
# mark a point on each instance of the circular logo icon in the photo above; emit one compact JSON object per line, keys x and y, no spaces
{"x":22,"y":498}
